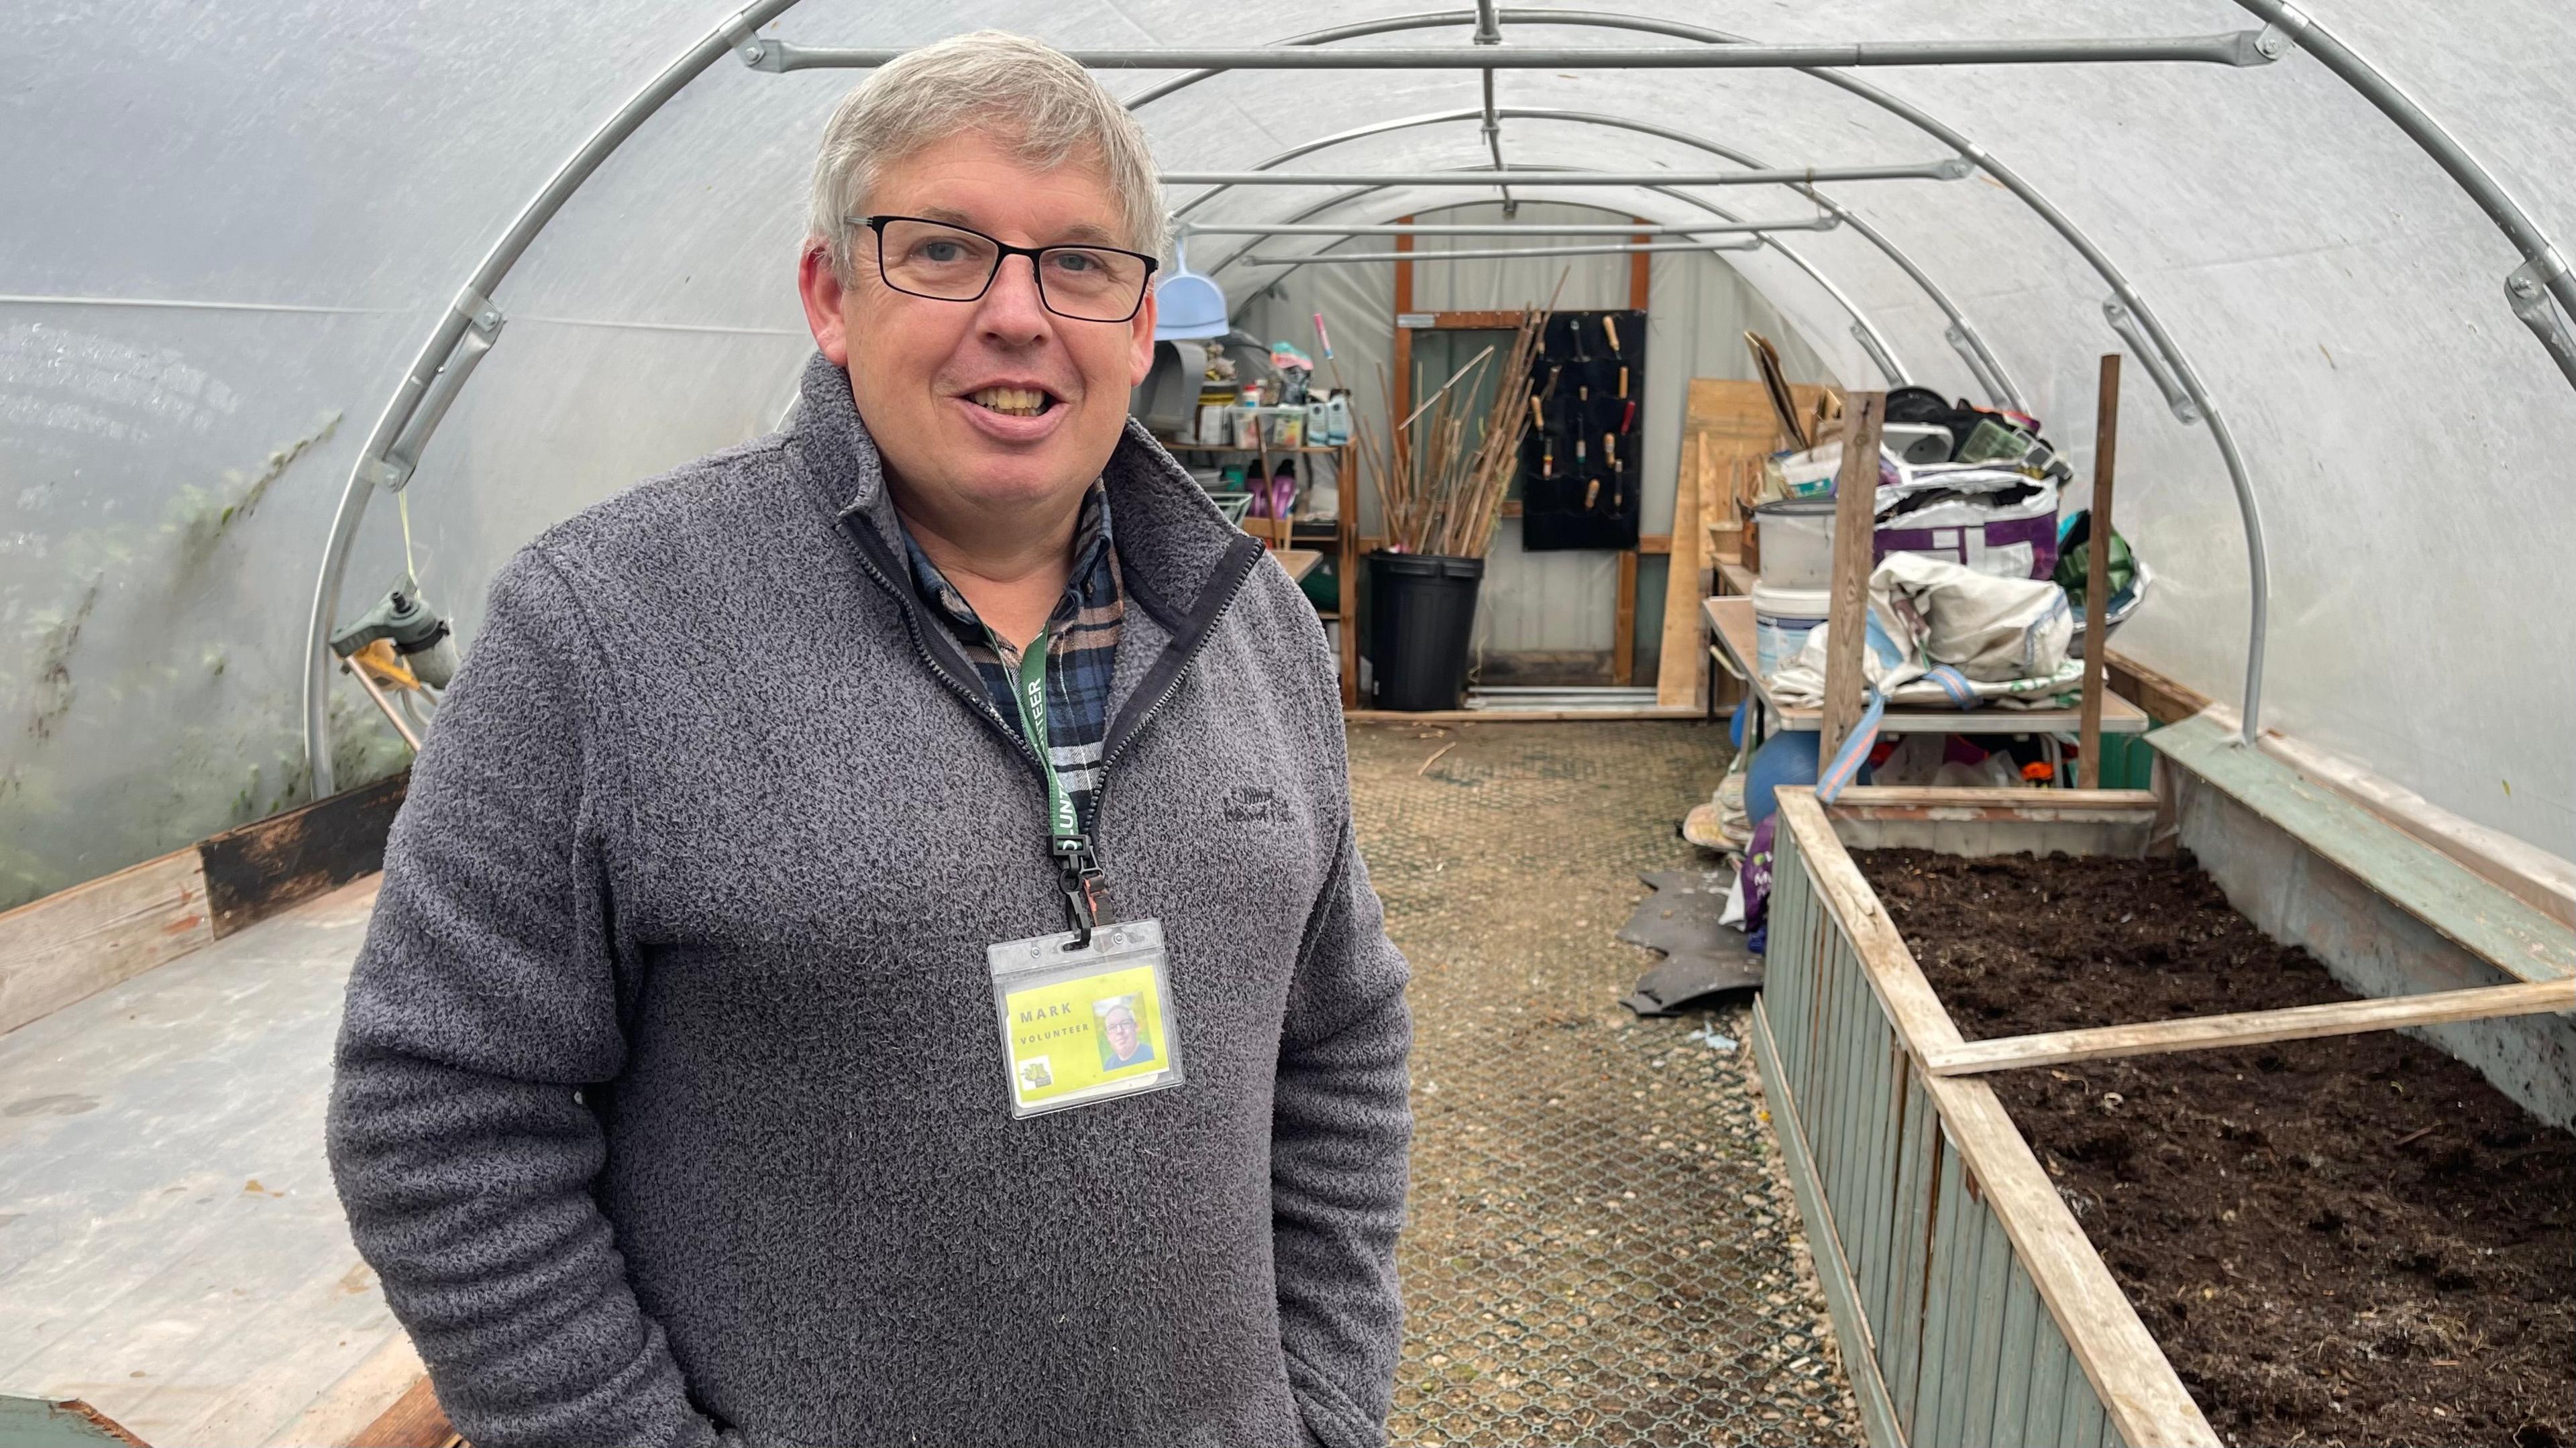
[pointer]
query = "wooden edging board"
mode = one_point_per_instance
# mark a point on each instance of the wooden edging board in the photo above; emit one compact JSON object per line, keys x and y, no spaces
{"x":1832,"y":1264}
{"x":2137,"y":1386}
{"x":74,"y":943}
{"x":2252,"y":1028}
{"x":1514,"y":716}
{"x":2465,"y":907}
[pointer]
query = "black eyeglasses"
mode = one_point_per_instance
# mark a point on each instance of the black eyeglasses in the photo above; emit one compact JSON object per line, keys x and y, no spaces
{"x":951,"y":263}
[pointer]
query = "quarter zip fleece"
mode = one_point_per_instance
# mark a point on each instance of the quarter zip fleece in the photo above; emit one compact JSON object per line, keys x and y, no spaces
{"x":670,"y":1098}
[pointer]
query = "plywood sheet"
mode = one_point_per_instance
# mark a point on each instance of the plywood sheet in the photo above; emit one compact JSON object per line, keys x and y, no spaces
{"x":178,"y":1257}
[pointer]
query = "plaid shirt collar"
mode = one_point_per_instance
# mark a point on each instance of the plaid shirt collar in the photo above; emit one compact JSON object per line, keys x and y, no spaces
{"x":1081,"y":640}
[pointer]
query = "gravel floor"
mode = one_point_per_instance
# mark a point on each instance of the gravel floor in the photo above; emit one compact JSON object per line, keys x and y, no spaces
{"x":1602,"y":1249}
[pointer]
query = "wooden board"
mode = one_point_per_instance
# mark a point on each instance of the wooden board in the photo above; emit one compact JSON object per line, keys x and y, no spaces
{"x":77,"y":942}
{"x":57,"y":1423}
{"x":1623,"y":622}
{"x":2147,"y":1404}
{"x":1512,"y":716}
{"x":1681,"y":675}
{"x":182,"y":1262}
{"x":414,"y":1421}
{"x":1833,"y":1265}
{"x":2253,"y":1028}
{"x":1855,"y":494}
{"x":280,"y":862}
{"x":2166,"y":700}
{"x":2459,"y":904}
{"x":1727,"y":426}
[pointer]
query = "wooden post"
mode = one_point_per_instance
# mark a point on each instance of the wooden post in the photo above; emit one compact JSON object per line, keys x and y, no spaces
{"x":1399,"y":405}
{"x":1855,"y":521}
{"x":1623,"y":616}
{"x":2097,"y":571}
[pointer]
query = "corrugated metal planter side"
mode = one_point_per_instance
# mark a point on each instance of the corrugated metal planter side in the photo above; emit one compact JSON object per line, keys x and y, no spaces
{"x":1971,"y":1308}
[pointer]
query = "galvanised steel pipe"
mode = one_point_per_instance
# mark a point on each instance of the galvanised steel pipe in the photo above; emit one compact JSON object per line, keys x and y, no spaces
{"x":1948,"y":168}
{"x":2258,"y":567}
{"x":1356,"y":257}
{"x":473,"y":310}
{"x":2544,"y":274}
{"x":1872,"y":341}
{"x":1507,"y":228}
{"x":2231,"y":48}
{"x":1997,"y":388}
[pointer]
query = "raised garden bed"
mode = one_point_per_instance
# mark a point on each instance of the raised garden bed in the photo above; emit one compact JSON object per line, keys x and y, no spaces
{"x":1972,"y":1306}
{"x":2353,"y":1239}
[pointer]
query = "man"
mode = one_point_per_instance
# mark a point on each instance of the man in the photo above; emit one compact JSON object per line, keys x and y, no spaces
{"x":671,"y":1102}
{"x":1121,"y":1046}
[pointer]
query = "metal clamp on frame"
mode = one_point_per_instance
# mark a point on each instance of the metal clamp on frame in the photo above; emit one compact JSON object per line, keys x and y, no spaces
{"x":2527,"y":289}
{"x":2151,"y":357}
{"x":483,"y":323}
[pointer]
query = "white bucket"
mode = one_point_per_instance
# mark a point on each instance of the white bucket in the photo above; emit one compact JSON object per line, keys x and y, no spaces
{"x":1782,"y":618}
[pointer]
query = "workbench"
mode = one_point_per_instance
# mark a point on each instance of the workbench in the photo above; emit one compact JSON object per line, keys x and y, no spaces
{"x":1731,"y":636}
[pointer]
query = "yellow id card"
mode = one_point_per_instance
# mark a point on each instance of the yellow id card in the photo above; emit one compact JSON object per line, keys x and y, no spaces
{"x":1087,"y":1024}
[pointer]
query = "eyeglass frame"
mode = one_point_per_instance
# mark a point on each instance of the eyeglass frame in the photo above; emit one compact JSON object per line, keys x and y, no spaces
{"x":1003,"y":252}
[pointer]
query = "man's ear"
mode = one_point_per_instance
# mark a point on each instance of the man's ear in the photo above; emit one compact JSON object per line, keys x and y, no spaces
{"x":1140,"y":361}
{"x":823,"y":296}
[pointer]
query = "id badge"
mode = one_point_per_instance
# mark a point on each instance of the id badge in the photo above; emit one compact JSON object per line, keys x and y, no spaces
{"x":1088,"y":1024}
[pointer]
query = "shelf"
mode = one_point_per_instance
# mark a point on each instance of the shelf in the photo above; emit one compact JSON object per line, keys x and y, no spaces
{"x":1171,"y":446}
{"x":1730,"y":625}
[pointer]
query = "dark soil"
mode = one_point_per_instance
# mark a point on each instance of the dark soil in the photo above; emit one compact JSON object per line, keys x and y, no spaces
{"x":2351,"y":1240}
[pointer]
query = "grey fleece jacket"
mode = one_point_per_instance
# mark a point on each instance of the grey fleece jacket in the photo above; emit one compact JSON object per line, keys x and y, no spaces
{"x":670,"y":1098}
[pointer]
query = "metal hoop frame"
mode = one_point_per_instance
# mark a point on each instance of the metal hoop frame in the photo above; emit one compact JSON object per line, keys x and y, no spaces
{"x":2542,"y":292}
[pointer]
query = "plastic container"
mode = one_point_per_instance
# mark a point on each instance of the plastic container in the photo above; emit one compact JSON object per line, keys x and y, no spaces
{"x":1797,"y":542}
{"x":1422,"y":614}
{"x":1782,"y":619}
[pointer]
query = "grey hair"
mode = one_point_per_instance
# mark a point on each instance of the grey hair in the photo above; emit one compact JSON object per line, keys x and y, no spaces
{"x":1038,"y":100}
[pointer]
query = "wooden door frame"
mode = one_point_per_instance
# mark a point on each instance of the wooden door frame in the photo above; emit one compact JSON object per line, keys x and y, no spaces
{"x":1623,"y":628}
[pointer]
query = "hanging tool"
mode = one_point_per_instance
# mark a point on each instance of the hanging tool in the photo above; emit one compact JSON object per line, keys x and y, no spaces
{"x":420,"y":637}
{"x":1610,"y":450}
{"x":1591,"y":494}
{"x":1628,"y":419}
{"x":1610,"y":330}
{"x":1623,"y":382}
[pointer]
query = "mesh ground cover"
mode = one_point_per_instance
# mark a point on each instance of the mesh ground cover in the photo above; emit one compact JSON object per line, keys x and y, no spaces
{"x":1601,"y":1247}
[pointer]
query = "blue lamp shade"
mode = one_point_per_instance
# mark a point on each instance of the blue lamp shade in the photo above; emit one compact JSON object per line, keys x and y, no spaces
{"x":1187,"y":305}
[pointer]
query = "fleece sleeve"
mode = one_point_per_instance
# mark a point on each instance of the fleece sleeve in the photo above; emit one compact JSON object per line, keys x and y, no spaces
{"x":1341,"y":1125}
{"x":485,"y":997}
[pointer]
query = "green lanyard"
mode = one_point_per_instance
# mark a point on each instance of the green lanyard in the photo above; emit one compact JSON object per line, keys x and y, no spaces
{"x":1066,"y":840}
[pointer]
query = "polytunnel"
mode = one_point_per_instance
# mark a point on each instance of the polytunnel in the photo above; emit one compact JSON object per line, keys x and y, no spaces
{"x":312,"y":316}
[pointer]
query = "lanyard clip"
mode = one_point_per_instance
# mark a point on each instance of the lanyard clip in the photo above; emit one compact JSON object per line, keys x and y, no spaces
{"x":1081,"y":882}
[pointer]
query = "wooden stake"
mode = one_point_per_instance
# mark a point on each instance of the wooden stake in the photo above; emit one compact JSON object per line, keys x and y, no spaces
{"x":1855,"y":518}
{"x":2097,"y":571}
{"x":2252,"y":1028}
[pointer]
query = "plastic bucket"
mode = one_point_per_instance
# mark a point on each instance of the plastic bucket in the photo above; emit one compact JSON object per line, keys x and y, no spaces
{"x":1782,"y":619}
{"x":1422,"y":615}
{"x":1797,"y":542}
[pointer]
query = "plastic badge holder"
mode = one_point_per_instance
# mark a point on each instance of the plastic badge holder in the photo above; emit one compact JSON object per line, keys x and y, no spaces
{"x":1058,"y":1008}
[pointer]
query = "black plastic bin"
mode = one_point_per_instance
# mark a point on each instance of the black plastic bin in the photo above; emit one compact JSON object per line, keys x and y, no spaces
{"x":1422,"y":614}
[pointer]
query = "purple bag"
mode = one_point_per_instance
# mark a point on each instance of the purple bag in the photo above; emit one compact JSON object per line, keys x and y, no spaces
{"x":1757,"y":885}
{"x":1995,"y":520}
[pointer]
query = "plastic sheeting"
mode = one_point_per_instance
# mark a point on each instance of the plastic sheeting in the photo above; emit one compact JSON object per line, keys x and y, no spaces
{"x":229,"y":229}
